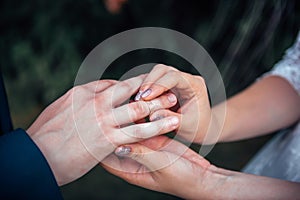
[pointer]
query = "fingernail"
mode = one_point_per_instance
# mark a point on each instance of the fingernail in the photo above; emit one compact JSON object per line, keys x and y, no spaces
{"x":146,"y":93}
{"x":172,"y":98}
{"x":138,"y":96}
{"x":123,"y":151}
{"x":158,"y":118}
{"x":174,"y":121}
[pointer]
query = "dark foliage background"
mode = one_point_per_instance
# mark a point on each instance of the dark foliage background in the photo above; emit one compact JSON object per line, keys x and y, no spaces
{"x":43,"y":43}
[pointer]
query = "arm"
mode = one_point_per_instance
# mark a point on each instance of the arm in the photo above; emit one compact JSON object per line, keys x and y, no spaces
{"x":24,"y":172}
{"x":170,"y":167}
{"x":82,"y":127}
{"x":67,"y":140}
{"x":268,"y":105}
{"x":235,"y":185}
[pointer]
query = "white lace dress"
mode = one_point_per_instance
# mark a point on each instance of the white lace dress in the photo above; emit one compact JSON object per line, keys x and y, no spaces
{"x":280,"y":157}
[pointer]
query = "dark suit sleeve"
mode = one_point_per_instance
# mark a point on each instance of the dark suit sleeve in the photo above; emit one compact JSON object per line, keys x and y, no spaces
{"x":24,"y":172}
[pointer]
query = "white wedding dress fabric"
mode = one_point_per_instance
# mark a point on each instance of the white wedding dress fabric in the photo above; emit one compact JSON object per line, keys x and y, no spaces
{"x":280,"y":157}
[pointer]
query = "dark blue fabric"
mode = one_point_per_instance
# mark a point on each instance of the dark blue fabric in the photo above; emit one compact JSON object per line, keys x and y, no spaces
{"x":5,"y":120}
{"x":24,"y":172}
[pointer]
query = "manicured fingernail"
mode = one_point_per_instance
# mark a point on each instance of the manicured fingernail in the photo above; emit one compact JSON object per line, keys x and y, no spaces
{"x":123,"y":151}
{"x":158,"y":118}
{"x":174,"y":121}
{"x":146,"y":93}
{"x":172,"y":98}
{"x":138,"y":96}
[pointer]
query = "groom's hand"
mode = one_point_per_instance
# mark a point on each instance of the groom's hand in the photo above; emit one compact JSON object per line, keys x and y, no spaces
{"x":86,"y":124}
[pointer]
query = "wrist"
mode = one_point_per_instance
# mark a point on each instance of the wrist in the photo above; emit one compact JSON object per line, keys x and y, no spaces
{"x":214,"y":126}
{"x":214,"y":184}
{"x":62,"y":154}
{"x":217,"y":127}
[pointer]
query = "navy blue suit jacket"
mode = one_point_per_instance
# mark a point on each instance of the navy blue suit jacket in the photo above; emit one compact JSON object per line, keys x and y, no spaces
{"x":24,"y":172}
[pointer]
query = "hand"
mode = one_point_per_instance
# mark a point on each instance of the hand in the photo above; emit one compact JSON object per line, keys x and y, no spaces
{"x":167,"y":166}
{"x":163,"y":165}
{"x":194,"y":111}
{"x":85,"y":125}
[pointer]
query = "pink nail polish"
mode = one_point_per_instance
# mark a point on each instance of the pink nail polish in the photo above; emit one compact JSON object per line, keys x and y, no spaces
{"x":146,"y":93}
{"x":158,"y":118}
{"x":123,"y":151}
{"x":138,"y":96}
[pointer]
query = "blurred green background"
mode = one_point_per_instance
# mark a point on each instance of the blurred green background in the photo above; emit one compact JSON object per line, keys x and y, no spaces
{"x":44,"y":42}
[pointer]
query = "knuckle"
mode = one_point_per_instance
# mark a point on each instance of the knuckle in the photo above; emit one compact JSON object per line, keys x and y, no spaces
{"x":139,"y":108}
{"x":200,"y":80}
{"x":138,"y":132}
{"x":160,"y":67}
{"x":196,"y":82}
{"x":164,"y":67}
{"x":104,"y":116}
{"x":124,"y":86}
{"x":155,"y":105}
{"x":174,"y":73}
{"x":173,"y":69}
{"x":111,"y":138}
{"x":80,"y":92}
{"x":107,"y":81}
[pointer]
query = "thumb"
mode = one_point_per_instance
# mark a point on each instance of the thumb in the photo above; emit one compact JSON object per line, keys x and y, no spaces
{"x":153,"y":160}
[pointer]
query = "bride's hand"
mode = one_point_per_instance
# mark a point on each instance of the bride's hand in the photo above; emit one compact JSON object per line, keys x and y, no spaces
{"x":163,"y":165}
{"x":194,"y":106}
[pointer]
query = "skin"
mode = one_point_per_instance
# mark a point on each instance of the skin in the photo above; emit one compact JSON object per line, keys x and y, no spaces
{"x":269,"y":104}
{"x":82,"y":127}
{"x":190,"y":176}
{"x":266,"y":106}
{"x":194,"y":111}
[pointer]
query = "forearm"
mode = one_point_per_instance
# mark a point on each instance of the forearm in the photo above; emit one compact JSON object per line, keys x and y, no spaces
{"x":224,"y":184}
{"x":268,"y":105}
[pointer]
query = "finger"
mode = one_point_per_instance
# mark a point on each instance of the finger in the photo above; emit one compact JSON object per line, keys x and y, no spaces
{"x":185,"y":84}
{"x":156,"y":73}
{"x":123,"y":90}
{"x":162,"y":113}
{"x":139,"y":132}
{"x":156,"y":143}
{"x":187,"y":130}
{"x":121,"y":164}
{"x":164,"y":143}
{"x":135,"y":111}
{"x":147,"y":153}
{"x":172,"y":79}
{"x":153,"y":160}
{"x":129,"y":170}
{"x":100,"y":85}
{"x":184,"y":151}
